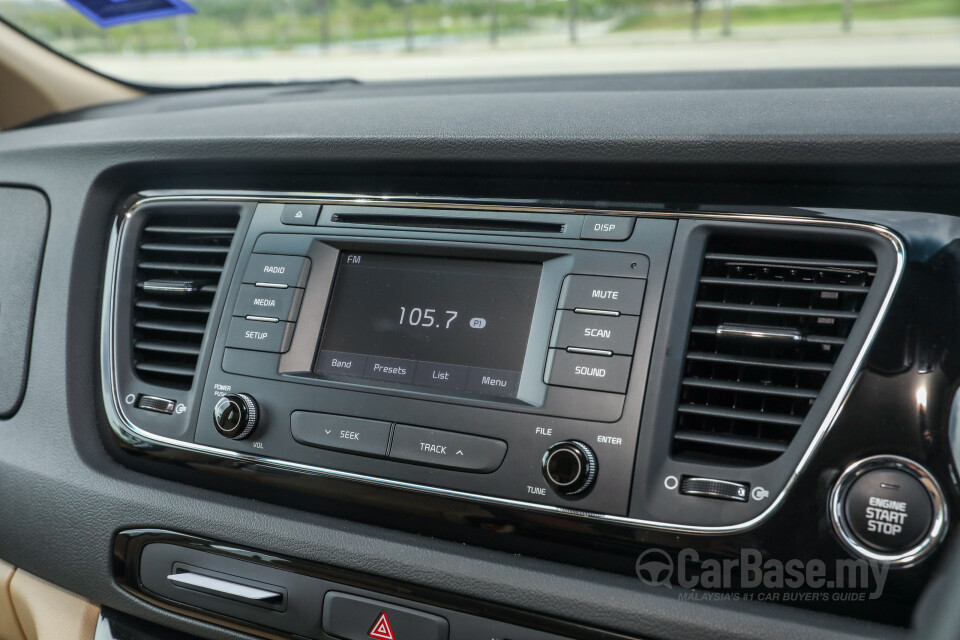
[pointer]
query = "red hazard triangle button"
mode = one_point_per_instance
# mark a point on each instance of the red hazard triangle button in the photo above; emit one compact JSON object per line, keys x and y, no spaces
{"x":381,"y":628}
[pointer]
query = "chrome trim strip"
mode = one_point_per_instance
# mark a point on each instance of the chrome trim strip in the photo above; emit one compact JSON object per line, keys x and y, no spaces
{"x":744,"y":331}
{"x":168,"y":286}
{"x":589,"y":352}
{"x":129,"y":432}
{"x":938,"y":527}
{"x":261,"y":319}
{"x":222,"y":587}
{"x":597,"y":312}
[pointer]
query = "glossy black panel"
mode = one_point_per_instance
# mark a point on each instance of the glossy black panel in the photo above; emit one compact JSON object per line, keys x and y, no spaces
{"x":311,"y":578}
{"x":899,"y":404}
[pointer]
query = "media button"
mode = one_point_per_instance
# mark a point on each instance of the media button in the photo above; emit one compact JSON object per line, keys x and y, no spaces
{"x":341,"y":364}
{"x":624,"y":295}
{"x":443,"y":376}
{"x":599,"y":373}
{"x":446,"y":449}
{"x":493,"y":382}
{"x":393,"y":369}
{"x":342,"y":433}
{"x":266,"y":302}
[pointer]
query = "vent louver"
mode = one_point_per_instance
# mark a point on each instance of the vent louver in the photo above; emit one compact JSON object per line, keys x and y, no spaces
{"x":178,"y":266}
{"x":766,"y":332}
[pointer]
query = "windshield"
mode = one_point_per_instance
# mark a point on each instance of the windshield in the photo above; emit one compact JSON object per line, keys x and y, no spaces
{"x":178,"y":42}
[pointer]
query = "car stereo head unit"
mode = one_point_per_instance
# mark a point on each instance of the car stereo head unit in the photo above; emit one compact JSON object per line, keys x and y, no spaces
{"x":490,"y":353}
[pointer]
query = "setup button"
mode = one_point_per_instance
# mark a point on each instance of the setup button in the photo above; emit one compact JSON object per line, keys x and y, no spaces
{"x":260,"y":336}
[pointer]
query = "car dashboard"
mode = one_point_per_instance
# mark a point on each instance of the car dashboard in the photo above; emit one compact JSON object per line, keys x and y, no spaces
{"x":638,"y":357}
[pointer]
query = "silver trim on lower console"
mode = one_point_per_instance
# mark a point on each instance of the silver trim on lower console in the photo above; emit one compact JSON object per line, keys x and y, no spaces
{"x":129,"y":432}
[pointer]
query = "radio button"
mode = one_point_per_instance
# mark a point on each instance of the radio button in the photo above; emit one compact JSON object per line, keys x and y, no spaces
{"x":599,"y":373}
{"x":606,"y":228}
{"x":260,"y":336}
{"x":616,"y":334}
{"x":340,"y":433}
{"x":267,"y":302}
{"x":446,"y":449}
{"x":289,"y":271}
{"x":624,"y":295}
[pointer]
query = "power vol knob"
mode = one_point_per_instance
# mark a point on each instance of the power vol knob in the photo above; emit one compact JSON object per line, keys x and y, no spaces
{"x":235,"y":415}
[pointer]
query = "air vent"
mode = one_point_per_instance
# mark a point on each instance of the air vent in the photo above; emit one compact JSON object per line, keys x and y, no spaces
{"x":767,"y":330}
{"x":179,"y":262}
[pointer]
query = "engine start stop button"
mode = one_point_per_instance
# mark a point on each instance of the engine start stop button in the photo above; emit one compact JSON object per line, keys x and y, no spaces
{"x":888,"y":510}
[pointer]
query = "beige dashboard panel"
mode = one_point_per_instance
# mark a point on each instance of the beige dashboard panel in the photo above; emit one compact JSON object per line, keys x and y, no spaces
{"x":47,"y":612}
{"x":9,"y":626}
{"x":36,"y":82}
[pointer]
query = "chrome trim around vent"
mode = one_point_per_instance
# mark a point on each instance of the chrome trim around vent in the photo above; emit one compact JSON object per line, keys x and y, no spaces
{"x":744,"y":331}
{"x":126,"y":430}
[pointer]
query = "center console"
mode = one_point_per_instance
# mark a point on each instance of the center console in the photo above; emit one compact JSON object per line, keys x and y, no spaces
{"x":670,"y":371}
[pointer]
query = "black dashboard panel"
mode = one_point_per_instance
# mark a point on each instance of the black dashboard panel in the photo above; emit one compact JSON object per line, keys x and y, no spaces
{"x":600,"y":413}
{"x":23,"y":213}
{"x":719,"y":153}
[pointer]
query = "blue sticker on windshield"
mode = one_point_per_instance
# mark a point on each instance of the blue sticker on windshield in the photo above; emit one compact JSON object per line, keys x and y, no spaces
{"x":109,"y":13}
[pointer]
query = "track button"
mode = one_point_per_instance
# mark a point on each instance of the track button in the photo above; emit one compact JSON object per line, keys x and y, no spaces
{"x":446,"y":449}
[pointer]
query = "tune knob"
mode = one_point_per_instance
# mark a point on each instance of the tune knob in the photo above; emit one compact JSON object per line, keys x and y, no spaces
{"x":235,"y":415}
{"x":570,"y":467}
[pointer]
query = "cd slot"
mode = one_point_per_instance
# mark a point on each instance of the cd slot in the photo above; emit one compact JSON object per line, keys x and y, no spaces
{"x":448,"y":223}
{"x":444,"y":220}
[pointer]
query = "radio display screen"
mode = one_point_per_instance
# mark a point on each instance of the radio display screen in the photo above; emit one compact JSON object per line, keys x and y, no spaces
{"x":447,"y":323}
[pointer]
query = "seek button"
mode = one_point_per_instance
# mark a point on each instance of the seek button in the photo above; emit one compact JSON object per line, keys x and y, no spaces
{"x":341,"y":433}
